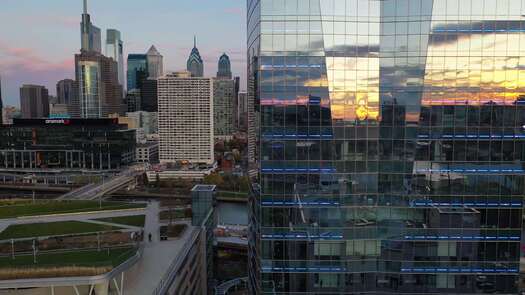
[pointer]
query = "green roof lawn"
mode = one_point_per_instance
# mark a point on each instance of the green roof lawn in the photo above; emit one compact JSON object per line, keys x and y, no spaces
{"x":19,"y":231}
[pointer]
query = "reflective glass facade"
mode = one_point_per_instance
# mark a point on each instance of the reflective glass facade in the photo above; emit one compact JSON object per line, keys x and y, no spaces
{"x":391,"y":146}
{"x":137,"y":70}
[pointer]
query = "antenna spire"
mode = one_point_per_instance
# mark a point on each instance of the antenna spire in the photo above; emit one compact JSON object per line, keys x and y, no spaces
{"x":194,"y":41}
{"x":85,"y":7}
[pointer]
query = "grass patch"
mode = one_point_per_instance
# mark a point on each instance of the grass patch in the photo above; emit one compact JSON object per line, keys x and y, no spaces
{"x":78,"y":263}
{"x":19,"y":231}
{"x":10,"y":202}
{"x":61,"y":207}
{"x":135,"y":220}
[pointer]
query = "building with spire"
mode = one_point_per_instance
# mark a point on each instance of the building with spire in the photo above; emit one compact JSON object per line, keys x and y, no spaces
{"x":155,"y":63}
{"x":114,"y":50}
{"x":195,"y":65}
{"x":97,"y":76}
{"x":89,"y":34}
{"x":225,"y":68}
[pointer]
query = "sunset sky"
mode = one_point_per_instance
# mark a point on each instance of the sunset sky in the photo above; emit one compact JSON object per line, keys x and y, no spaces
{"x":39,"y":38}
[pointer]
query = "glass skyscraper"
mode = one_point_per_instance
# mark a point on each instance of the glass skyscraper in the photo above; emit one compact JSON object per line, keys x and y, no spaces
{"x":137,"y":70}
{"x":391,"y":146}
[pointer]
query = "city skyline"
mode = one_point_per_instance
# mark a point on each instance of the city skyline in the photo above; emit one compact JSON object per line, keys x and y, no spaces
{"x":32,"y":57}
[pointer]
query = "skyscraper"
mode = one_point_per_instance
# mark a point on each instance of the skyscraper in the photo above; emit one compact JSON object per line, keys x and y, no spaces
{"x":100,"y":94}
{"x":242,"y":111}
{"x":66,"y":91}
{"x":195,"y":65}
{"x":223,"y":107}
{"x":115,"y":50}
{"x":185,"y":118}
{"x":34,"y":102}
{"x":225,"y":68}
{"x":137,"y":70}
{"x":155,"y":63}
{"x":391,"y":146}
{"x":89,"y":34}
{"x":149,"y":95}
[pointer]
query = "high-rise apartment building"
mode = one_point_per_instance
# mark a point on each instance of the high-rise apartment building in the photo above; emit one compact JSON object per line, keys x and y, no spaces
{"x":237,"y":80}
{"x":391,"y":146}
{"x":99,"y":91}
{"x":90,"y":35}
{"x":137,"y":70}
{"x":115,"y":50}
{"x":34,"y":102}
{"x":155,"y":63}
{"x":195,"y":64}
{"x":224,"y":67}
{"x":242,"y":111}
{"x":223,"y":107}
{"x":185,"y":118}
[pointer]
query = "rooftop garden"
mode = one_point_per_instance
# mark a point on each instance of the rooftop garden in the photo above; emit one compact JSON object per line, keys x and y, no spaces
{"x":13,"y":210}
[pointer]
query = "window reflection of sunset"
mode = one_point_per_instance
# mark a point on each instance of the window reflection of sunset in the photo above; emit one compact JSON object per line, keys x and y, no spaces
{"x":357,"y":80}
{"x":475,"y":69}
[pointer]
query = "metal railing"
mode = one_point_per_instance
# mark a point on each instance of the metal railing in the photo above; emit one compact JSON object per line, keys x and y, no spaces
{"x":223,"y":288}
{"x":170,"y":274}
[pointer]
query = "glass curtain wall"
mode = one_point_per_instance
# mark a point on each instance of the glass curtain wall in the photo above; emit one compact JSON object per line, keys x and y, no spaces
{"x":391,"y":146}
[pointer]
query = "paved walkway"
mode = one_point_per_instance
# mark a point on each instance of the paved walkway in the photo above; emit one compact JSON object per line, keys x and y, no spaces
{"x":146,"y":274}
{"x":73,"y":216}
{"x":124,"y":226}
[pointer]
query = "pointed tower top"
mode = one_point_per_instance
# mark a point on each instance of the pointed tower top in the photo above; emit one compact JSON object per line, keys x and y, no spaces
{"x":194,"y":41}
{"x":153,"y":51}
{"x":85,"y":7}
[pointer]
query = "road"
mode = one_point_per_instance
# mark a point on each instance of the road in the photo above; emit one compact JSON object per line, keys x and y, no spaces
{"x":94,"y":191}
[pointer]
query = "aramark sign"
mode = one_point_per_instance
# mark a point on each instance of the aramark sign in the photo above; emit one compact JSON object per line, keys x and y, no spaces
{"x":57,"y":121}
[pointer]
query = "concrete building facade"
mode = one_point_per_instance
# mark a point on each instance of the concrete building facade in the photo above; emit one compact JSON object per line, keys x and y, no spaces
{"x":223,"y":107}
{"x":186,"y":127}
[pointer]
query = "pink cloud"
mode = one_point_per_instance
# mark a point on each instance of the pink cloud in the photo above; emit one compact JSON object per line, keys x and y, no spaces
{"x":234,"y":10}
{"x":22,"y":58}
{"x":21,"y":65}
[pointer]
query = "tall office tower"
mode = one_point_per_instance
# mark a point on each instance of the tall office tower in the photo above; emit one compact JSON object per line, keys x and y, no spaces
{"x":34,"y":102}
{"x":89,"y":34}
{"x":185,"y":118}
{"x":223,"y":107}
{"x":225,"y":68}
{"x":67,"y":89}
{"x":149,"y":95}
{"x":155,"y":63}
{"x":242,"y":111}
{"x":133,"y":101}
{"x":195,"y":65}
{"x":1,"y":104}
{"x":236,"y":102}
{"x":115,"y":50}
{"x":100,"y":93}
{"x":391,"y":146}
{"x":137,"y":70}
